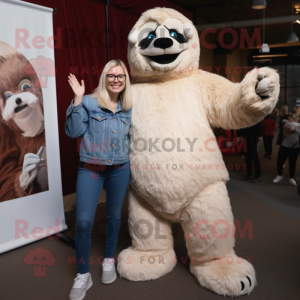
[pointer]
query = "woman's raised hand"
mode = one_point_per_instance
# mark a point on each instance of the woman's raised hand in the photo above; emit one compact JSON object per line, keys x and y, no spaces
{"x":77,"y":88}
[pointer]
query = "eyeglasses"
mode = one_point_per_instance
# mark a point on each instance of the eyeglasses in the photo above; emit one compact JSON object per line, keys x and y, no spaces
{"x":120,"y":77}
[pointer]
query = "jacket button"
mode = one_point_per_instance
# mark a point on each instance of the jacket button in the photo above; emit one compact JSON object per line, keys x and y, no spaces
{"x":108,"y":161}
{"x":113,"y":119}
{"x":99,"y":117}
{"x":112,"y":144}
{"x":113,"y":132}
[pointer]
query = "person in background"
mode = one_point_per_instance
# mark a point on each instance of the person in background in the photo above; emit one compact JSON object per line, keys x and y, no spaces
{"x":283,"y":115}
{"x":268,"y":125}
{"x":289,"y":148}
{"x":252,"y":135}
{"x":274,"y":114}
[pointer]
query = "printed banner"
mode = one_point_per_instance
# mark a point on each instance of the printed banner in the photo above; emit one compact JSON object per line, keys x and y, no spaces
{"x":31,"y":201}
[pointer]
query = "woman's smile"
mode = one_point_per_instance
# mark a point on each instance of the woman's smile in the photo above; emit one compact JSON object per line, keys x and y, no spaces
{"x":116,"y":86}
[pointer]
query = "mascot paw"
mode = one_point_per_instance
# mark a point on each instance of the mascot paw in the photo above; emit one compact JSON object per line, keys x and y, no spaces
{"x":267,"y":83}
{"x":260,"y":90}
{"x":227,"y":276}
{"x":145,"y":265}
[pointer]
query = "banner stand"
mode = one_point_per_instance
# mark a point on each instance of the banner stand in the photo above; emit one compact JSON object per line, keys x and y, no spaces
{"x":65,"y":239}
{"x":31,"y":199}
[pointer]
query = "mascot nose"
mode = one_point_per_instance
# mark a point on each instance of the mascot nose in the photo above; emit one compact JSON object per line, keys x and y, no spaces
{"x":18,"y":101}
{"x":163,"y":43}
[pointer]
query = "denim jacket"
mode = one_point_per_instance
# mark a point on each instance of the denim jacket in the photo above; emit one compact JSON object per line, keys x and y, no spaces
{"x":104,"y":134}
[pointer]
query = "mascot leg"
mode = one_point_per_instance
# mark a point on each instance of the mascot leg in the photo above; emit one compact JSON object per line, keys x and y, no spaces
{"x":151,"y":254}
{"x":209,"y":231}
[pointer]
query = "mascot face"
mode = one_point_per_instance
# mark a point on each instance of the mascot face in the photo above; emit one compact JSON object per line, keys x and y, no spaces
{"x":20,"y":95}
{"x":162,"y":40}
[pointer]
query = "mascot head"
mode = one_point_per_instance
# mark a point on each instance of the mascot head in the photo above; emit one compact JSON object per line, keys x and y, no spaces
{"x":21,"y":99}
{"x":162,"y":43}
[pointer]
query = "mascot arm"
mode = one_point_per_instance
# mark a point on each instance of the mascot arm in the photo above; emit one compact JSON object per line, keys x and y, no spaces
{"x":240,"y":105}
{"x":77,"y":119}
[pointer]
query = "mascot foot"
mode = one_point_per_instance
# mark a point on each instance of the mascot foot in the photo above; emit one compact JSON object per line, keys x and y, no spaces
{"x":227,"y":276}
{"x":137,"y":265}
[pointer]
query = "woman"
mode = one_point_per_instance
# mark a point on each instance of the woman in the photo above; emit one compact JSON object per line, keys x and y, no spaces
{"x":102,"y":120}
{"x":275,"y":114}
{"x":289,"y":148}
{"x":283,"y":114}
{"x":252,"y":136}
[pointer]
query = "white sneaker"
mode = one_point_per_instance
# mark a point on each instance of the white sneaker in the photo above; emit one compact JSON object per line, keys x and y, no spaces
{"x":109,"y":274}
{"x":82,"y":283}
{"x":293,"y":182}
{"x":278,"y":178}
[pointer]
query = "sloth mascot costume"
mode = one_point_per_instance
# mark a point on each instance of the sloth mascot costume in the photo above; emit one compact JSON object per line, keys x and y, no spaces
{"x":175,"y":106}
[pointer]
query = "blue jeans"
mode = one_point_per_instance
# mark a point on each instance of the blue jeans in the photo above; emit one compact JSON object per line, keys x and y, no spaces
{"x":90,"y":180}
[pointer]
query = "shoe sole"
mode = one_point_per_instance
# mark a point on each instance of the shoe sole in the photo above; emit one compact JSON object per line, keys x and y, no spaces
{"x":108,"y":282}
{"x":87,"y":287}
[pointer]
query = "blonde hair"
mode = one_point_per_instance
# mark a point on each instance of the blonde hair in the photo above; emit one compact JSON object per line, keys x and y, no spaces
{"x":101,"y":93}
{"x":295,"y":116}
{"x":284,"y":110}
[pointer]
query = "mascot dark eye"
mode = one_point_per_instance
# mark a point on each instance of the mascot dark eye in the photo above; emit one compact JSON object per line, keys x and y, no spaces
{"x":173,"y":34}
{"x":150,"y":36}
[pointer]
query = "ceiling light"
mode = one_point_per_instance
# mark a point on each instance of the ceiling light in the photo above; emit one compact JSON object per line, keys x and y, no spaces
{"x":264,"y":48}
{"x":259,"y":4}
{"x":292,"y":38}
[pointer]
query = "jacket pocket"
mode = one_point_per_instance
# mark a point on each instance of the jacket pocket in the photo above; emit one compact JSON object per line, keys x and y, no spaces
{"x":98,"y":123}
{"x":125,"y":125}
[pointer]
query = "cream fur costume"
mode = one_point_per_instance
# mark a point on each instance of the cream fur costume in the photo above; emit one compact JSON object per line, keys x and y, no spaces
{"x":178,"y":104}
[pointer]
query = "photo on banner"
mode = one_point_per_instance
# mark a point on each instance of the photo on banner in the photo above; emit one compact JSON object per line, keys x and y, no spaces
{"x":22,"y":172}
{"x":30,"y":172}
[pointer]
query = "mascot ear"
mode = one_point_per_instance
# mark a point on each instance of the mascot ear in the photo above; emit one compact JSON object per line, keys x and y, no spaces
{"x":133,"y":36}
{"x":188,"y":30}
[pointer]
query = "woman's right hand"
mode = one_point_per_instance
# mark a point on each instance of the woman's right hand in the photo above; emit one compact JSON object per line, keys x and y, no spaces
{"x":77,"y":88}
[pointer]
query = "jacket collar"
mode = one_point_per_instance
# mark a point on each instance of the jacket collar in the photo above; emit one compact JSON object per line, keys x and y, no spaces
{"x":119,"y":106}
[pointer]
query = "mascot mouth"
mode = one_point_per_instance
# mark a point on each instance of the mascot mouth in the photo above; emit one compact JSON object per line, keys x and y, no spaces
{"x":20,"y":108}
{"x":164,"y":59}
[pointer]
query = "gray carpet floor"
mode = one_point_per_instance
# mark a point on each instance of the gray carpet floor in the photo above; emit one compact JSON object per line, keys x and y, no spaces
{"x":274,"y":210}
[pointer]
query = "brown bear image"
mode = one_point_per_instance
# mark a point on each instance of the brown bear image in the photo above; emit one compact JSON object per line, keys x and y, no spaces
{"x":23,"y":162}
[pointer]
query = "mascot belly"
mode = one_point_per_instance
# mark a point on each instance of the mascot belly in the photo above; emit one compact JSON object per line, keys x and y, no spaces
{"x":175,"y":105}
{"x":178,"y":154}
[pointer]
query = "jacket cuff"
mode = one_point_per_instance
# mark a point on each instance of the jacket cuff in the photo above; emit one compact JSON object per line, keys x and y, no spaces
{"x":73,"y":107}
